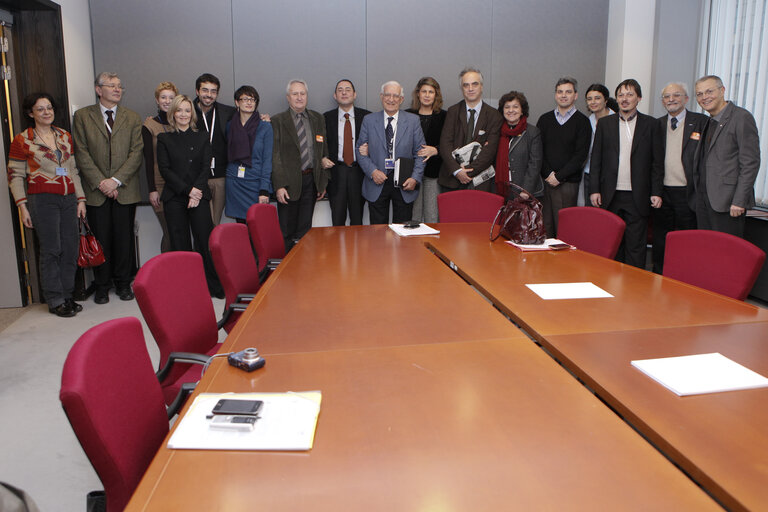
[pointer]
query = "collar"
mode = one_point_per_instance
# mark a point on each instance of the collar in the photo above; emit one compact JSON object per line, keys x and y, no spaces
{"x":104,"y":110}
{"x":630,"y":118}
{"x":351,"y":114}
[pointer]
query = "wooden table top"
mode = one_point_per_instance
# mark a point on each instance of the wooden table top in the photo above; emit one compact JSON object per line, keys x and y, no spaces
{"x":363,"y":286}
{"x":493,"y":425}
{"x":642,"y":300}
{"x":720,"y":439}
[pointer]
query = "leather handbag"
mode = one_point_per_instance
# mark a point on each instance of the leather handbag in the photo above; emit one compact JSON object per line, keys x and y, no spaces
{"x":520,"y":218}
{"x":91,"y":253}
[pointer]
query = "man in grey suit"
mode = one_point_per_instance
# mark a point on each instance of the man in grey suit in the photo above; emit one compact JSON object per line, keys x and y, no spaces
{"x":394,"y":138}
{"x":728,"y":162}
{"x":108,"y":149}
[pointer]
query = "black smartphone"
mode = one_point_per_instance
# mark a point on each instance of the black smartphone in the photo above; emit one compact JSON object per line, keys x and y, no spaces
{"x":411,"y":224}
{"x":559,"y":247}
{"x":234,"y":406}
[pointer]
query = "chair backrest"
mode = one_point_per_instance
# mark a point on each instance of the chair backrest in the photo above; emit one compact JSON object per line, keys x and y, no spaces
{"x":468,"y":206}
{"x":591,"y":229}
{"x":235,"y":264}
{"x":716,"y":261}
{"x":266,"y":237}
{"x":114,"y":403}
{"x":173,"y":297}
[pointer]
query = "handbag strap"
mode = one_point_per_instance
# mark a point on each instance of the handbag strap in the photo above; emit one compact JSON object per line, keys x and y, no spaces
{"x":496,"y":223}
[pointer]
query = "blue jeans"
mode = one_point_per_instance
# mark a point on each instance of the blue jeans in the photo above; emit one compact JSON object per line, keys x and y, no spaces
{"x":54,"y":218}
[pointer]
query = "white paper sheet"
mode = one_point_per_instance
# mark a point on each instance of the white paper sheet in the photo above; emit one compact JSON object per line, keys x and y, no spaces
{"x":286,"y":421}
{"x":423,"y":229}
{"x":701,"y":373}
{"x":541,"y":247}
{"x":554,"y":291}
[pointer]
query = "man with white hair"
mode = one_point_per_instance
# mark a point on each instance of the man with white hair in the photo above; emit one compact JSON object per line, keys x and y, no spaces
{"x":300,"y":164}
{"x":394,"y":138}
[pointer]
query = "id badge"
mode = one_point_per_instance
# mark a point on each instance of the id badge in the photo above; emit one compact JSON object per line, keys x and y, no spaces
{"x":389,"y":164}
{"x":241,"y":171}
{"x":61,"y":171}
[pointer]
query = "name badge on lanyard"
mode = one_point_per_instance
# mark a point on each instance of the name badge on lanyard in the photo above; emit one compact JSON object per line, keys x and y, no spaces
{"x":241,"y":171}
{"x":61,"y":171}
{"x":389,"y":164}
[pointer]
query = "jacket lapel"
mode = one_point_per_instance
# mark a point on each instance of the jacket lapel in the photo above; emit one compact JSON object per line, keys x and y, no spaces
{"x":721,"y":125}
{"x":98,"y":120}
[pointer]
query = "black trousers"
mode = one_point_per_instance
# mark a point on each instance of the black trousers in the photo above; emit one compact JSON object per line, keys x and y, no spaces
{"x":674,"y":214}
{"x":633,"y":246}
{"x":296,"y":216}
{"x":379,"y":209}
{"x":112,"y":223}
{"x":185,"y":223}
{"x":707,"y":218}
{"x":345,"y":193}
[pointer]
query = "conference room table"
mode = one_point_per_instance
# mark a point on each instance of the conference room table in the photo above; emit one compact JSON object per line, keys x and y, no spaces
{"x":432,"y":400}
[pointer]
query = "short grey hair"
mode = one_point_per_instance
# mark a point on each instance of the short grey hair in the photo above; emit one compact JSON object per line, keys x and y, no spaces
{"x":710,"y":77}
{"x":470,"y":70}
{"x":296,"y":81}
{"x":104,"y":76}
{"x":392,"y":82}
{"x":681,"y":85}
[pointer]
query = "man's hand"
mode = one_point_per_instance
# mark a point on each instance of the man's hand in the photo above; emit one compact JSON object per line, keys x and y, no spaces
{"x":107,"y":186}
{"x":282,"y":195}
{"x":409,"y":184}
{"x":363,"y":149}
{"x":327,"y":163}
{"x":737,"y":210}
{"x":552,"y":179}
{"x":154,"y":199}
{"x":378,"y":177}
{"x":196,"y":193}
{"x":596,"y":199}
{"x":266,"y":118}
{"x":263,"y":199}
{"x":320,"y":195}
{"x":463,"y":175}
{"x":655,"y":201}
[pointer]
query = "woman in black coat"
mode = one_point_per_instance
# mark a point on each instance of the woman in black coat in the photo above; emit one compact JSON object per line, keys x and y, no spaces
{"x":519,"y":157}
{"x":184,"y":161}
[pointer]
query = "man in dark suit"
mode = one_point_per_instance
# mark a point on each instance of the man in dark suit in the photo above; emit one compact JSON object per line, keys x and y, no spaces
{"x":342,"y":127}
{"x":213,"y":117}
{"x":470,"y":120}
{"x":626,"y":174}
{"x":394,"y":138}
{"x":109,"y":152}
{"x":679,"y":133}
{"x":299,"y":163}
{"x":729,"y":161}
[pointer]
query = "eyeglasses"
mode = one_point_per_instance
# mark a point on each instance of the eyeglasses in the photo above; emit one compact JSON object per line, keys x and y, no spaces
{"x":113,"y":86}
{"x":708,"y":92}
{"x":40,"y":110}
{"x":391,"y":95}
{"x":246,"y":99}
{"x":675,"y":95}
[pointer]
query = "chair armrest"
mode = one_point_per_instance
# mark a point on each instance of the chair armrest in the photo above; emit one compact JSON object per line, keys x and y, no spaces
{"x":272,"y":263}
{"x":178,"y":402}
{"x":245,"y":297}
{"x":180,"y":357}
{"x":228,"y":312}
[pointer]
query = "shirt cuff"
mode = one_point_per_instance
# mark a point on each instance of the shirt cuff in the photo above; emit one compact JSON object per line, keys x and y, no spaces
{"x":119,"y":184}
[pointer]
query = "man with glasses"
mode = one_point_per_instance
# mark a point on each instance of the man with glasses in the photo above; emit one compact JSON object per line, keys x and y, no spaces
{"x":679,"y":133}
{"x":109,"y":153}
{"x":299,"y":163}
{"x":470,"y":120}
{"x":728,"y":161}
{"x":213,"y":117}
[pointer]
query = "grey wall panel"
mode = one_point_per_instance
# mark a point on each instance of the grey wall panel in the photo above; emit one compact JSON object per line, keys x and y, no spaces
{"x":535,"y":43}
{"x":149,"y":41}
{"x":319,"y":42}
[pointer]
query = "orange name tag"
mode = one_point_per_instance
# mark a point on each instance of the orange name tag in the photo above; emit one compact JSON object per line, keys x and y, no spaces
{"x":319,"y":138}
{"x":695,"y":136}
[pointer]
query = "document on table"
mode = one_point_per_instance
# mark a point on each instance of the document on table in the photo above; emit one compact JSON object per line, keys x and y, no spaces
{"x":546,"y":246}
{"x":287,"y":421}
{"x":553,"y":291}
{"x":701,"y":373}
{"x":423,"y":229}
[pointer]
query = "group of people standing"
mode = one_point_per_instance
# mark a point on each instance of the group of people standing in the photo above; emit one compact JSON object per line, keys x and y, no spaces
{"x":204,"y":159}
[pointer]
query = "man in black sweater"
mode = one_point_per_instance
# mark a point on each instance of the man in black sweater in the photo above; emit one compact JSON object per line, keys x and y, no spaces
{"x":565,"y":137}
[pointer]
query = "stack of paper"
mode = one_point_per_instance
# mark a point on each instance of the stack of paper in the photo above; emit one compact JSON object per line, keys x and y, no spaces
{"x":552,"y":291}
{"x":423,"y":229}
{"x":286,"y":421}
{"x":546,"y":246}
{"x":701,"y":373}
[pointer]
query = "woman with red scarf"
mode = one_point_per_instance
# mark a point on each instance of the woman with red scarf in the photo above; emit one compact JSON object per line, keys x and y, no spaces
{"x":518,"y":159}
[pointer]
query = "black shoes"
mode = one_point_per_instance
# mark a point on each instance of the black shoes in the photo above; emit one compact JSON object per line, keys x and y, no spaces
{"x":125,"y":293}
{"x":63,"y":310}
{"x":101,"y":297}
{"x":74,"y":306}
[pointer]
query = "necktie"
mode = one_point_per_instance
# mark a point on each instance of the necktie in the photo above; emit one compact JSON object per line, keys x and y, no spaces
{"x":303,"y":146}
{"x":390,"y":132}
{"x":673,"y":122}
{"x":110,"y":122}
{"x":470,"y":127}
{"x":346,"y":151}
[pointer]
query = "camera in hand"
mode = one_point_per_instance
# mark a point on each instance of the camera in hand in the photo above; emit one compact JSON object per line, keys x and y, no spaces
{"x":248,"y":360}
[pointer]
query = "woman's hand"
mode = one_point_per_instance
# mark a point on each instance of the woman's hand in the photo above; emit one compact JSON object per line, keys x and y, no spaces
{"x":263,"y":199}
{"x":154,"y":199}
{"x":26,"y":218}
{"x":427,"y":152}
{"x":81,"y":210}
{"x":363,"y":149}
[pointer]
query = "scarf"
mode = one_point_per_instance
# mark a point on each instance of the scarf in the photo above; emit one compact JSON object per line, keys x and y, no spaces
{"x":240,"y":138}
{"x":502,"y":153}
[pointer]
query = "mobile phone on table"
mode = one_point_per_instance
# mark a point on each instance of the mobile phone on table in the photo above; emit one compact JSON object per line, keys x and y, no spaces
{"x":237,"y":407}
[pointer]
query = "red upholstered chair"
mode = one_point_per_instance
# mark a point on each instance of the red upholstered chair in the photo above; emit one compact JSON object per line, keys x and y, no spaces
{"x":173,"y":298}
{"x":468,"y":206}
{"x":716,"y":261}
{"x":236,"y":266}
{"x":266,"y":237}
{"x":115,"y":405}
{"x":591,"y":229}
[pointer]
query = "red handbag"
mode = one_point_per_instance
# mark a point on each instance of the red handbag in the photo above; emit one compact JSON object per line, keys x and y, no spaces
{"x":520,"y":218}
{"x":91,"y":253}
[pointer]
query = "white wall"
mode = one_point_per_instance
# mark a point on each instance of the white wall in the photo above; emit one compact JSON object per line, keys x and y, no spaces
{"x":78,"y":52}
